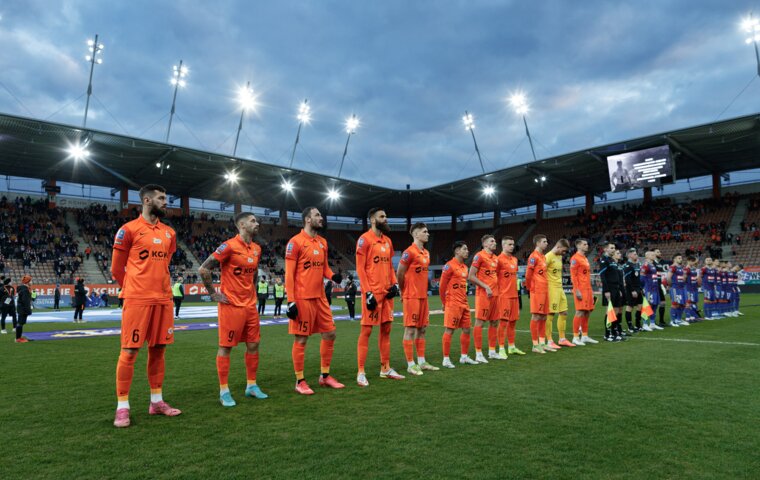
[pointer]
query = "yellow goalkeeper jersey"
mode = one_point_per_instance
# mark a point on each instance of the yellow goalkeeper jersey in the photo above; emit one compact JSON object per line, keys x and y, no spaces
{"x":554,"y":270}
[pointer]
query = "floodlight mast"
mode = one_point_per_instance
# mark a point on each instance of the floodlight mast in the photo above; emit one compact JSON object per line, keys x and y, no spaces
{"x":303,"y":117}
{"x":246,"y":101}
{"x":469,"y":124}
{"x":178,"y":81}
{"x":94,"y":48}
{"x":520,"y":105}
{"x":351,"y":125}
{"x":751,"y":26}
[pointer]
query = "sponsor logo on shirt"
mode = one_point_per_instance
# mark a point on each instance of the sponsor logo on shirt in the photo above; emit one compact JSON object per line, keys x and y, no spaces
{"x":157,"y":240}
{"x":316,"y":252}
{"x":250,"y":260}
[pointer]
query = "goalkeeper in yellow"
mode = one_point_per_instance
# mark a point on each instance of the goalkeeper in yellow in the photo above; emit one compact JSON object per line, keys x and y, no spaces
{"x":557,"y":298}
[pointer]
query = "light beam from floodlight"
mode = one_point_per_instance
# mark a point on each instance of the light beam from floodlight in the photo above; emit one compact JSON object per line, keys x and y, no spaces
{"x":94,"y":56}
{"x":304,"y":116}
{"x":352,"y":124}
{"x":469,"y":124}
{"x":751,"y":27}
{"x":287,"y":186}
{"x":489,"y":190}
{"x":333,"y":194}
{"x":231,"y":177}
{"x":78,"y":151}
{"x":178,"y":80}
{"x":519,"y":102}
{"x":247,"y":100}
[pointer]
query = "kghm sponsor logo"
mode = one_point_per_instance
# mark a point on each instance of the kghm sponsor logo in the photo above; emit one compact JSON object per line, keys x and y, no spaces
{"x":379,"y":259}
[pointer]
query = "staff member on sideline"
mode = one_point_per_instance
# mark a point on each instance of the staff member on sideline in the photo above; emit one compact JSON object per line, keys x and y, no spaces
{"x":178,"y":292}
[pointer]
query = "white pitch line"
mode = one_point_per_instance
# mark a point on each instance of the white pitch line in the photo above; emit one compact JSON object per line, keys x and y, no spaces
{"x":686,"y":340}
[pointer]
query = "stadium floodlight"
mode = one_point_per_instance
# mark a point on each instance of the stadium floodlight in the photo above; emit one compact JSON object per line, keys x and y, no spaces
{"x":540,"y":179}
{"x":489,"y":190}
{"x":78,"y":151}
{"x":247,"y":100}
{"x":751,"y":27}
{"x":94,"y":55}
{"x":287,"y":186}
{"x":333,"y":194}
{"x":231,"y":177}
{"x":469,"y":124}
{"x":158,"y":164}
{"x":304,"y":117}
{"x":352,"y":123}
{"x":520,"y":105}
{"x":179,"y":72}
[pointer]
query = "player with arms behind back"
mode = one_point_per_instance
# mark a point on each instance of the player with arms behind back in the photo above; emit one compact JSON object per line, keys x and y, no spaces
{"x":484,"y":274}
{"x":142,"y":251}
{"x":238,"y":259}
{"x":305,"y":270}
{"x":580,"y":277}
{"x":538,"y":285}
{"x":509,"y":298}
{"x":456,"y":310}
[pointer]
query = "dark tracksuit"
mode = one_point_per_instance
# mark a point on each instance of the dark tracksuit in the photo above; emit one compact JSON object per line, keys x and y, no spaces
{"x":611,"y":277}
{"x":8,"y":305}
{"x":80,"y":300}
{"x":351,"y":299}
{"x":631,"y":272}
{"x":24,"y":308}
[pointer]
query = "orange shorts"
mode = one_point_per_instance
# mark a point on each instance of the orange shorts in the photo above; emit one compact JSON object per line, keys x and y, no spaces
{"x":509,"y":308}
{"x":151,"y":323}
{"x":314,"y":316}
{"x":539,"y":303}
{"x":487,"y":309}
{"x":457,"y":316}
{"x":382,"y":314}
{"x":587,"y":303}
{"x":238,"y":324}
{"x":416,"y":312}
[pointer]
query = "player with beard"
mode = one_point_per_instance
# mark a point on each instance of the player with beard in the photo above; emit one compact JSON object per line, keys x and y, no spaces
{"x":413,"y":281}
{"x":374,"y":252}
{"x":306,"y":268}
{"x":661,"y":267}
{"x":142,"y":251}
{"x":238,"y":258}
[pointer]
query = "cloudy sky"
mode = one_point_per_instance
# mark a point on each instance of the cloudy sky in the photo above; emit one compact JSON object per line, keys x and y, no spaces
{"x":595,"y":71}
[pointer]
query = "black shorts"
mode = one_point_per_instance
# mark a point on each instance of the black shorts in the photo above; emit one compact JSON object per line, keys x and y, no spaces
{"x":632,"y":302}
{"x":616,"y":296}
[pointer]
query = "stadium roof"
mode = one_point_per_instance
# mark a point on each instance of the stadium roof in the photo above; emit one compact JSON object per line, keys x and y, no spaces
{"x":38,"y":149}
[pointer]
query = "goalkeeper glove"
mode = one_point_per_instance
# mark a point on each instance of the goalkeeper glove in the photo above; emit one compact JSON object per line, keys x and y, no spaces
{"x":393,"y":291}
{"x":337,"y":278}
{"x":371,"y":302}
{"x":292,"y":311}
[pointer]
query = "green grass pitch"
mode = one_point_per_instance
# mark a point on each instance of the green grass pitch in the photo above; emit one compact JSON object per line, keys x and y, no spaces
{"x":681,"y":403}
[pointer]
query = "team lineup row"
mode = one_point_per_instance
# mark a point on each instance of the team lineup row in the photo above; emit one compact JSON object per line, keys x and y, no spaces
{"x":143,"y":249}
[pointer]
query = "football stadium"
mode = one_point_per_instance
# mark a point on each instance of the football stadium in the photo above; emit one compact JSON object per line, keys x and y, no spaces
{"x":526,"y":307}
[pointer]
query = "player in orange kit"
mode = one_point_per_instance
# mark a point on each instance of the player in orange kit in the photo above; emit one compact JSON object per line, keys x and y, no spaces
{"x":238,"y":259}
{"x":456,"y":310}
{"x":580,"y":276}
{"x":305,"y":270}
{"x":374,"y":252}
{"x":538,"y":285}
{"x":142,"y":251}
{"x":413,"y":281}
{"x":509,"y":303}
{"x":483,"y":273}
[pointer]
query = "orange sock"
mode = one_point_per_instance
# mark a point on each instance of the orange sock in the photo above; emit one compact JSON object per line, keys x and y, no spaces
{"x":478,"y":334}
{"x":541,"y":331}
{"x":156,"y":368}
{"x":464,"y":342}
{"x":409,"y":350}
{"x":363,"y":346}
{"x":534,"y":331}
{"x":446,"y":344}
{"x":223,"y":370}
{"x":420,"y":344}
{"x":492,"y":335}
{"x":577,"y":321}
{"x":584,"y":326}
{"x":502,"y":333}
{"x":251,"y":367}
{"x":299,"y":349}
{"x":125,"y":370}
{"x":326,"y":348}
{"x":384,"y":343}
{"x":511,"y":332}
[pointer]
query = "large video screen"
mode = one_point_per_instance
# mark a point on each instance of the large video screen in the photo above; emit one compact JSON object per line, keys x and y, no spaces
{"x":650,"y":167}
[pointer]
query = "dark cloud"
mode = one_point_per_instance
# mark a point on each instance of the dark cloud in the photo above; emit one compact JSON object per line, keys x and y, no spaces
{"x":595,"y":72}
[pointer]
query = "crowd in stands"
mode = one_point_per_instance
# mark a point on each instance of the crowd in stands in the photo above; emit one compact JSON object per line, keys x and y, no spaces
{"x":35,"y":239}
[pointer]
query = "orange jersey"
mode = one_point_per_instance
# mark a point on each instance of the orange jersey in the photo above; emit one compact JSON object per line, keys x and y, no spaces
{"x":535,"y":275}
{"x":417,"y":261}
{"x":453,"y":286}
{"x":488,"y":265}
{"x":507,"y":275}
{"x":239,"y":261}
{"x":580,"y":272}
{"x":306,"y":266}
{"x":150,"y":249}
{"x":373,"y":263}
